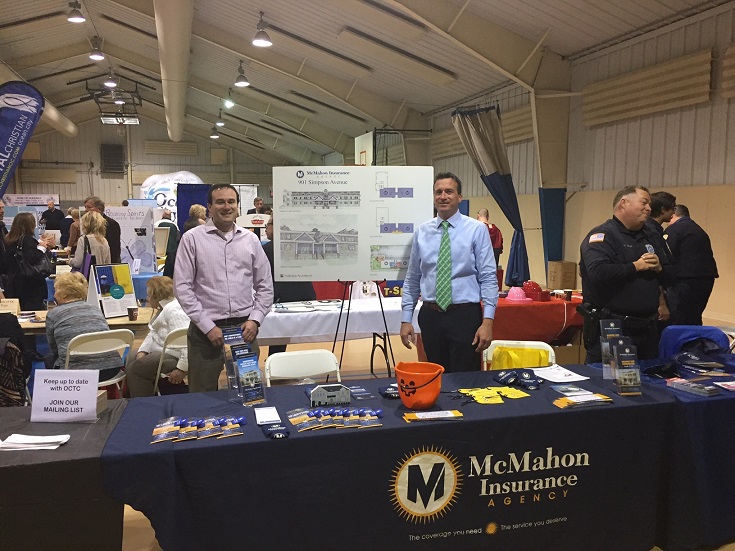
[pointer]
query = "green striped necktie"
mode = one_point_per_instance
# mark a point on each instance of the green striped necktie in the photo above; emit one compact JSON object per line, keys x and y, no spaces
{"x":444,"y":270}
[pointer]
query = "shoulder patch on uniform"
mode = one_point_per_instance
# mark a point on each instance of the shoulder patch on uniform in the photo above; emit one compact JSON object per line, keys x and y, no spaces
{"x":597,"y":238}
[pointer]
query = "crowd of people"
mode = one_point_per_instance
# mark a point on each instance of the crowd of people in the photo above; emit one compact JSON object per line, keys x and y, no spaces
{"x":649,"y":265}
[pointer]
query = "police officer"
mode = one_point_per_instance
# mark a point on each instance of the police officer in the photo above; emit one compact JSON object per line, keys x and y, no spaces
{"x":662,"y":209}
{"x":621,"y":276}
{"x":696,"y":268}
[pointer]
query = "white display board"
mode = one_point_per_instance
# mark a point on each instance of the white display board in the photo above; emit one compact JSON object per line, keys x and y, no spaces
{"x":137,"y":239}
{"x":348,"y":223}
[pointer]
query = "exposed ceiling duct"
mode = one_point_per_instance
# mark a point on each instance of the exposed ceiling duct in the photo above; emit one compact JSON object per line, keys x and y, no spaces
{"x":173,"y":26}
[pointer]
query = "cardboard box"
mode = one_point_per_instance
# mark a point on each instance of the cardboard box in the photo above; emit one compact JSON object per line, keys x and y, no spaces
{"x":571,"y":354}
{"x":562,"y":275}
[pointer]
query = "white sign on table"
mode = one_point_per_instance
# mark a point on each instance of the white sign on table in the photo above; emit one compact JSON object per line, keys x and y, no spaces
{"x":64,"y":395}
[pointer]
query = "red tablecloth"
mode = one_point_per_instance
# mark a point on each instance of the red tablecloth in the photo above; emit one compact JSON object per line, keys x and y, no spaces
{"x":537,"y":321}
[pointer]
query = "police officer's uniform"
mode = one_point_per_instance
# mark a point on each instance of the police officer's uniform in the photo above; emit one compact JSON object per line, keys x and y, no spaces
{"x":695,"y":271}
{"x":613,"y":289}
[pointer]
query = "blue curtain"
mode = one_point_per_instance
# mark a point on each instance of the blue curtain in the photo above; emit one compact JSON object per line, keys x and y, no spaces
{"x":552,"y":203}
{"x":186,"y":196}
{"x":482,"y":137}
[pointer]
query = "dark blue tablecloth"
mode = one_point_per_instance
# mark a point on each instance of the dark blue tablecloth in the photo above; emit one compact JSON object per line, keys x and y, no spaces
{"x":335,"y":489}
{"x":701,"y":511}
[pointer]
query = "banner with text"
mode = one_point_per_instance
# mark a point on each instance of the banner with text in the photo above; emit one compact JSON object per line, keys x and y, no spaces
{"x":21,"y":107}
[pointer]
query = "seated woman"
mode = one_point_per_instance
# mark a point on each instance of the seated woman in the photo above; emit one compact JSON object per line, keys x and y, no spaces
{"x":141,"y":372}
{"x":93,"y":240}
{"x":74,"y":316}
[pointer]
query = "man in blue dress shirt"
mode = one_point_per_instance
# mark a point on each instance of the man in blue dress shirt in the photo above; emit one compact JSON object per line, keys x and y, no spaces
{"x":456,"y":328}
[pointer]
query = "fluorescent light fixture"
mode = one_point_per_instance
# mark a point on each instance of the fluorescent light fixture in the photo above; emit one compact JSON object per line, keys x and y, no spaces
{"x":261,"y":39}
{"x":75,"y":15}
{"x":241,"y":81}
{"x":214,"y":134}
{"x":96,"y":53}
{"x":229,"y":104}
{"x":219,"y":121}
{"x":118,"y":118}
{"x":110,"y":81}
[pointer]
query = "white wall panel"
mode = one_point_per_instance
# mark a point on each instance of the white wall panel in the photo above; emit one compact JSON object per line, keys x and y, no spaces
{"x":682,"y":147}
{"x":82,"y":154}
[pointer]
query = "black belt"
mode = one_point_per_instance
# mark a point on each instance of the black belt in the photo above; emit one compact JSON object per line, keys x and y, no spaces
{"x":435,"y":306}
{"x":632,"y":322}
{"x":231,"y":321}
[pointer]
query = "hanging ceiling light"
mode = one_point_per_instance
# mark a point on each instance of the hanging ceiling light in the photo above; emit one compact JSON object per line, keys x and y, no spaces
{"x":219,"y":121}
{"x":118,"y":98}
{"x":261,"y":39}
{"x":96,"y":53}
{"x":214,"y":134}
{"x":111,"y":81}
{"x":241,"y":81}
{"x":75,"y":15}
{"x":229,"y":104}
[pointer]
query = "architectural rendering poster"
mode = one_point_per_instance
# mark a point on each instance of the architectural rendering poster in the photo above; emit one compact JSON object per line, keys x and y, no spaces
{"x":347,"y":223}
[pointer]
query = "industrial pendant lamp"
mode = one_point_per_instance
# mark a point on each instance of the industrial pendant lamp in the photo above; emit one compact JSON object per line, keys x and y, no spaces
{"x":261,"y":39}
{"x":229,"y":104}
{"x":241,"y":81}
{"x":219,"y":121}
{"x":118,"y":98}
{"x":96,"y":53}
{"x":110,"y":81}
{"x":214,"y":134}
{"x":75,"y":15}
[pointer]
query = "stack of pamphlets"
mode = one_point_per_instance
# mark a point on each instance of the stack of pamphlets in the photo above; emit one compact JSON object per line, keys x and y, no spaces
{"x":575,"y":397}
{"x":25,"y":442}
{"x":444,"y":415}
{"x":692,"y":387}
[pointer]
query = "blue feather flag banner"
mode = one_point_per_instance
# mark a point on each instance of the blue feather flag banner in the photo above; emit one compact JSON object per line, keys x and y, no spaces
{"x":21,"y":107}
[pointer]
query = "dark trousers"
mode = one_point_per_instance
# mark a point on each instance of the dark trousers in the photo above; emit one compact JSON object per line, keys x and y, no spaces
{"x":448,"y":336}
{"x":687,"y":300}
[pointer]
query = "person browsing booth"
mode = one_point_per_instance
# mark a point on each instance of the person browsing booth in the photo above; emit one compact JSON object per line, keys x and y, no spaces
{"x":222,"y":278}
{"x":452,"y":266}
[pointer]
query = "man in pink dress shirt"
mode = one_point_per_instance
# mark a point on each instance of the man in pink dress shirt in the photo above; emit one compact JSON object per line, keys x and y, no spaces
{"x":222,"y":278}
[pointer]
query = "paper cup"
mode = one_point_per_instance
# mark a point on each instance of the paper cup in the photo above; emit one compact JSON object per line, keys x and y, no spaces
{"x":132,"y":313}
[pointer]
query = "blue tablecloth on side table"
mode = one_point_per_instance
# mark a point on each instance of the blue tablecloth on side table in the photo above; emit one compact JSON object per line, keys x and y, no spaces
{"x":518,"y":475}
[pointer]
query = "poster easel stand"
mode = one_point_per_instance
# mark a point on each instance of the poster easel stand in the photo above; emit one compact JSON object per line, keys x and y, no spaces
{"x":380,"y":342}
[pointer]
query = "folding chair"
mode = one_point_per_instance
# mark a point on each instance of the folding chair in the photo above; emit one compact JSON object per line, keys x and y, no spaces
{"x":175,"y":339}
{"x":100,"y":342}
{"x":512,"y":354}
{"x":300,"y":364}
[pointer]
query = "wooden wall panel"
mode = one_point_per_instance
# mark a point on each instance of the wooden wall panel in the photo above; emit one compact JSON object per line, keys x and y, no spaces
{"x":687,"y":146}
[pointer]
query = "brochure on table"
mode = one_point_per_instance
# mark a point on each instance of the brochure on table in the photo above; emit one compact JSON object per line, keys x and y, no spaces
{"x":137,"y":240}
{"x":111,"y":288}
{"x":348,"y":222}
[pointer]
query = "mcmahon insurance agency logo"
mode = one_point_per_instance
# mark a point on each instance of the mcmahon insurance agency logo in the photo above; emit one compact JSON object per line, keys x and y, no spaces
{"x":299,"y":174}
{"x":425,"y":484}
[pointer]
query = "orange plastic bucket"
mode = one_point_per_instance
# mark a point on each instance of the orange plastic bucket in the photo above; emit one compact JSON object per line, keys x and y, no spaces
{"x":419,"y":383}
